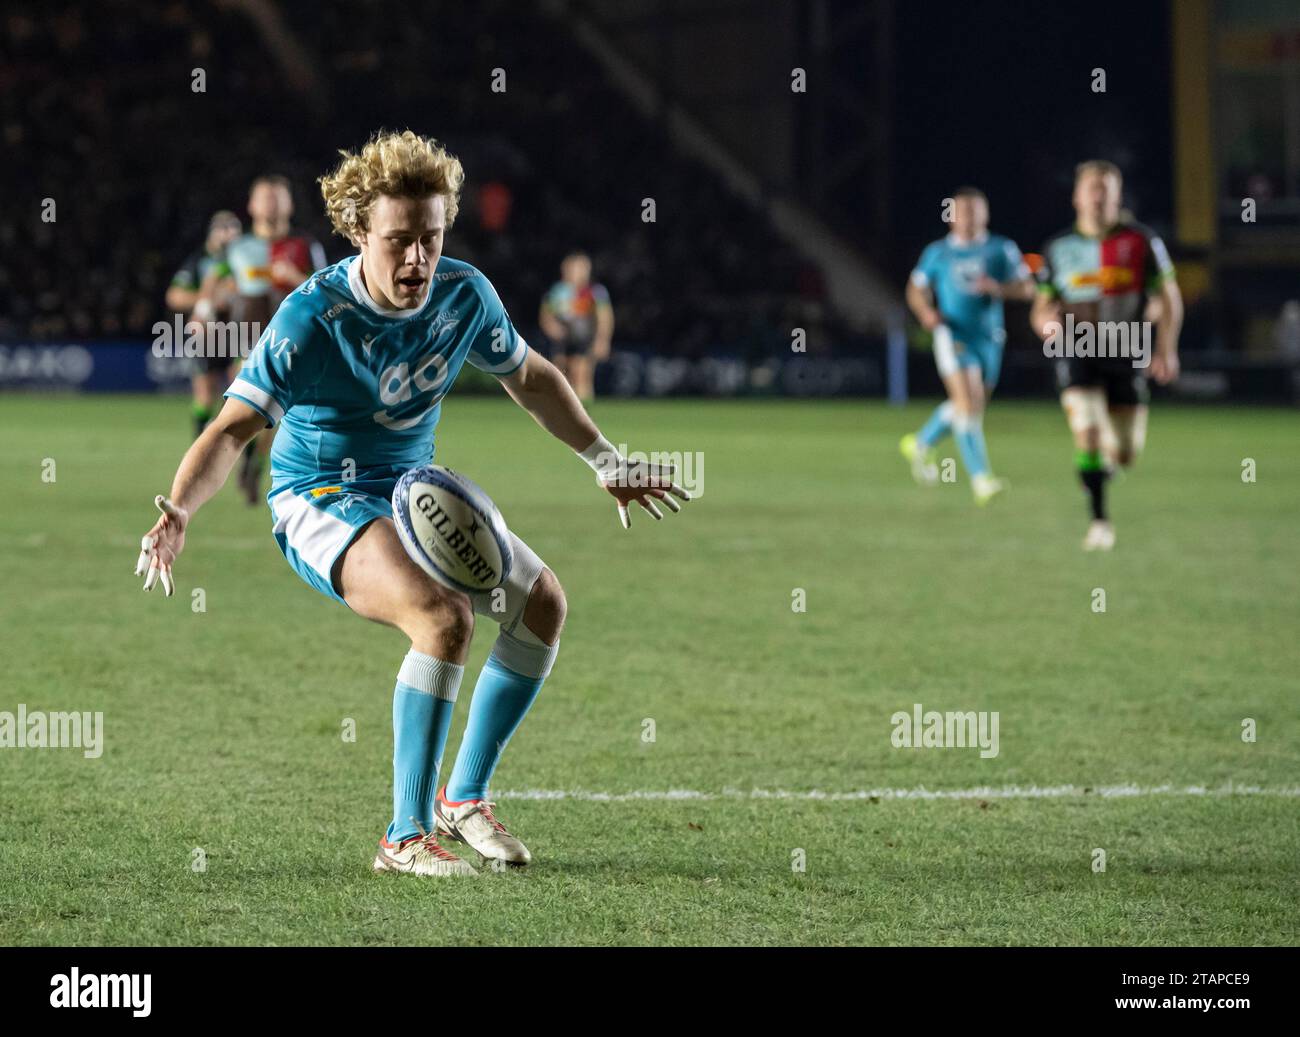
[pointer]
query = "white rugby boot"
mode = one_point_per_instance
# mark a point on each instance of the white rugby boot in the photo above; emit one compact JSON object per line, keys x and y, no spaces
{"x":1100,"y":536}
{"x":921,"y":459}
{"x":421,"y":855}
{"x":473,"y":822}
{"x":986,"y":487}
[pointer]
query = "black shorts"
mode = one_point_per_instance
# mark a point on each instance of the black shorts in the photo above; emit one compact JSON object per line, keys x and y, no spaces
{"x":213,"y":364}
{"x":561,"y":350}
{"x":1123,"y":384}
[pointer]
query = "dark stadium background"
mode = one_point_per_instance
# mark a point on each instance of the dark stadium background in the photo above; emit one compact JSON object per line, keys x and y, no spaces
{"x":904,"y":102}
{"x":713,"y":762}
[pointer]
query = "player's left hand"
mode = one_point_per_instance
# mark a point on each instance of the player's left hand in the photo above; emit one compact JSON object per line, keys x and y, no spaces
{"x":985,"y":285}
{"x":1164,"y":367}
{"x":644,"y":483}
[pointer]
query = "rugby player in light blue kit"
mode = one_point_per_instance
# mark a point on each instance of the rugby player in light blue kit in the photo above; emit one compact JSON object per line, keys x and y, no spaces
{"x":353,"y":367}
{"x":956,"y":292}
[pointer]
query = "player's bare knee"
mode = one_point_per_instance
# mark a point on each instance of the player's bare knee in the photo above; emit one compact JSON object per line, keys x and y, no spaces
{"x":1086,"y":436}
{"x":962,"y":405}
{"x":442,"y":618}
{"x":1131,"y":437}
{"x":456,"y":616}
{"x":1085,"y":412}
{"x":547,"y":607}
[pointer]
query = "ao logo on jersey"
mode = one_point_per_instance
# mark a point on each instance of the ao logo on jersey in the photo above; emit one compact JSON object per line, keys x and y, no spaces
{"x":967,"y":272}
{"x":396,"y":383}
{"x":428,"y":374}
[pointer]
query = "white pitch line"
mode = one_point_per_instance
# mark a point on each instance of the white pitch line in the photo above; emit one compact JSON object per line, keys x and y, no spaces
{"x":1004,"y":792}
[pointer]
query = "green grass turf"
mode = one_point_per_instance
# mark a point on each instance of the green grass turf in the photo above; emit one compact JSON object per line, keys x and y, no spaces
{"x":223,"y":727}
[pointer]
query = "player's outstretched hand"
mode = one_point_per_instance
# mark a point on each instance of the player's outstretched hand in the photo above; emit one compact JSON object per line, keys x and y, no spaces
{"x":160,"y":546}
{"x":1164,"y":367}
{"x":644,"y":483}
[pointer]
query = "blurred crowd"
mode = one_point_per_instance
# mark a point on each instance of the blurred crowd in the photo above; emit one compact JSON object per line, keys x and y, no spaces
{"x":100,"y":109}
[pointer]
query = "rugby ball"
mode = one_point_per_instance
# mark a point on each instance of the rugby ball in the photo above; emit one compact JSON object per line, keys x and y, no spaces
{"x":451,"y":529}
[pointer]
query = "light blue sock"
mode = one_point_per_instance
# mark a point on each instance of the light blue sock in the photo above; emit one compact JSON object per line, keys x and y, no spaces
{"x":969,"y":434}
{"x":423,"y":702}
{"x":939,"y":425}
{"x":510,"y":681}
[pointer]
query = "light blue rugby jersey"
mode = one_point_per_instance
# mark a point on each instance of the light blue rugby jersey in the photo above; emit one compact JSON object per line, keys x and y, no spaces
{"x":951,"y":269}
{"x":350,"y":382}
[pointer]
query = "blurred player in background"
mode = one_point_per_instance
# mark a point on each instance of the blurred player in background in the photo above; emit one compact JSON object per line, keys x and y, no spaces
{"x":200,"y":289}
{"x":1107,"y":268}
{"x":577,"y":318}
{"x":355,"y":366}
{"x":956,"y":292}
{"x":266,"y":265}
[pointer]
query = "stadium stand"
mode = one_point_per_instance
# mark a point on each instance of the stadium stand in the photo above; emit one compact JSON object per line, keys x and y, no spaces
{"x":710,"y":274}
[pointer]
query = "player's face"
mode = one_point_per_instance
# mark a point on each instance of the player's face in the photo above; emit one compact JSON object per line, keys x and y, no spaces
{"x":271,"y":203}
{"x":970,"y":217}
{"x":1097,"y":197}
{"x":222,"y":235}
{"x":576,"y":270}
{"x":402,"y":248}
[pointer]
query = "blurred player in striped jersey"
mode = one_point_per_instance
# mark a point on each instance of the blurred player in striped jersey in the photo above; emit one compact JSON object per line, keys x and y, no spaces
{"x":1107,"y":271}
{"x":266,"y":265}
{"x":200,"y":289}
{"x":577,"y":317}
{"x":956,"y":292}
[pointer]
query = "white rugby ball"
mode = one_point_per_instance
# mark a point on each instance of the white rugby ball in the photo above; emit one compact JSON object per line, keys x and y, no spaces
{"x":451,"y":529}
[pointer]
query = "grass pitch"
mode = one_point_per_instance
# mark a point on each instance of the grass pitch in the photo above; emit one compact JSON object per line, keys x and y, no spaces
{"x":223,"y":727}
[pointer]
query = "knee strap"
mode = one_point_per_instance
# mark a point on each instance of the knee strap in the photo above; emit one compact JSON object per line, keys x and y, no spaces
{"x":524,"y":657}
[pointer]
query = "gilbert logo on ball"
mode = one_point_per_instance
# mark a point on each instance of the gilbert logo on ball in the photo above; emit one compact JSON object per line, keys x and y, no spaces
{"x":451,"y":529}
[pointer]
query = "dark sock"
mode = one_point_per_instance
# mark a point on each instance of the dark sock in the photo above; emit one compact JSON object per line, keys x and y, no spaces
{"x":1093,"y":475}
{"x":202,"y":415}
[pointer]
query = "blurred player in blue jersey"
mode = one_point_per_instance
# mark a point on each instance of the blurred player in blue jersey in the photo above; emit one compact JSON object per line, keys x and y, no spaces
{"x":956,"y":292}
{"x":353,"y":367}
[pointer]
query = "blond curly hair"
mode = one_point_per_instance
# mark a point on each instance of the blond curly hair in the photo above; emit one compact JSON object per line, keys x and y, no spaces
{"x":404,"y":165}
